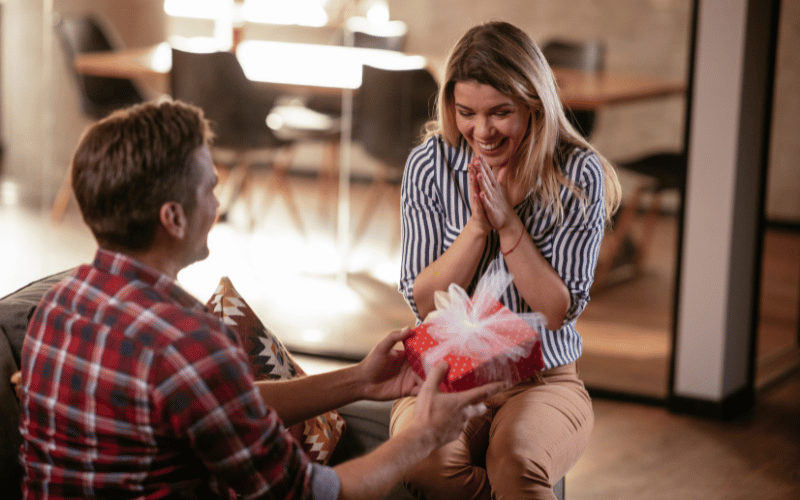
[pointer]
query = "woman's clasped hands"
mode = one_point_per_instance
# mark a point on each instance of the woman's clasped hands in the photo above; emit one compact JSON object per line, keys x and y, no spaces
{"x":489,"y":197}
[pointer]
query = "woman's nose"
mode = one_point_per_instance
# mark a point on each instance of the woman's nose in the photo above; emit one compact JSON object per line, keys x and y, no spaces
{"x":482,"y":127}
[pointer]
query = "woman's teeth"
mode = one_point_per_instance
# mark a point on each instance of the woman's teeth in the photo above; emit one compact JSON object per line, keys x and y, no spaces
{"x":489,"y":146}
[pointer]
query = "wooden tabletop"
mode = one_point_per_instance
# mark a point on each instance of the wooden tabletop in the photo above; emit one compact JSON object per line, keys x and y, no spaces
{"x":332,"y":68}
{"x":580,"y":90}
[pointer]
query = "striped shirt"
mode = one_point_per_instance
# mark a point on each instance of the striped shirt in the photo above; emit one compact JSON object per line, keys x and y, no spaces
{"x":435,"y":208}
{"x":130,"y":389}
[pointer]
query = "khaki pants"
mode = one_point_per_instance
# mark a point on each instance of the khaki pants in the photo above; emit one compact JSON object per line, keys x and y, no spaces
{"x":527,"y":441}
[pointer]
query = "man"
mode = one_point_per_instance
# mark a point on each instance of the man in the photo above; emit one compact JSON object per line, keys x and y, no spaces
{"x":131,"y":389}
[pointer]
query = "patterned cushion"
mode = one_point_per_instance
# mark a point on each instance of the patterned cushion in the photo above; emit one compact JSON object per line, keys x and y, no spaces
{"x":270,"y":360}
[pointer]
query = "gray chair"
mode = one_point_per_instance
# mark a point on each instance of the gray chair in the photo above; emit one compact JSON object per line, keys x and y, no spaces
{"x":238,"y":109}
{"x":99,"y":95}
{"x":659,"y":172}
{"x":330,"y":105}
{"x":393,"y":37}
{"x":392,"y":108}
{"x":587,"y":56}
{"x":390,"y":35}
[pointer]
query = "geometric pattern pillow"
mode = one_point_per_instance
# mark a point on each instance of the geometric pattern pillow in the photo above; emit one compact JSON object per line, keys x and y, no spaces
{"x":270,"y":360}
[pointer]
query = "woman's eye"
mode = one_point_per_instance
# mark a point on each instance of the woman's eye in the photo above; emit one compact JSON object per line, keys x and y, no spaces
{"x":465,"y":113}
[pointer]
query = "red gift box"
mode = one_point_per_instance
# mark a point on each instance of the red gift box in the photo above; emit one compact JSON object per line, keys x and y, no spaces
{"x":514,"y":353}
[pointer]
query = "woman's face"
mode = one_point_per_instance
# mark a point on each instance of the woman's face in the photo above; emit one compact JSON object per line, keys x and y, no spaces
{"x":493,"y":124}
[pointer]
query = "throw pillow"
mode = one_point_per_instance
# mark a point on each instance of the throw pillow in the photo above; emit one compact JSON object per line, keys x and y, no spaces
{"x":270,"y":360}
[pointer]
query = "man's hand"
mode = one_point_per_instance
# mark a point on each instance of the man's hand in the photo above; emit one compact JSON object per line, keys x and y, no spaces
{"x":16,"y":381}
{"x":439,"y":419}
{"x":446,"y":414}
{"x":386,"y":372}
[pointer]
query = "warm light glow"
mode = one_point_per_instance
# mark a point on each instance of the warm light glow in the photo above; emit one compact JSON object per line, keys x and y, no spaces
{"x":9,"y":193}
{"x":387,"y":271}
{"x":301,"y":12}
{"x":298,"y":117}
{"x":328,"y":296}
{"x":198,"y":9}
{"x":377,"y":11}
{"x":312,"y":335}
{"x":323,"y":65}
{"x":384,"y":28}
{"x":162,"y":58}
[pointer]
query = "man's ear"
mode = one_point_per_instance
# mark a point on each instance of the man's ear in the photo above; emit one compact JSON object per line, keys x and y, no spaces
{"x":173,"y":219}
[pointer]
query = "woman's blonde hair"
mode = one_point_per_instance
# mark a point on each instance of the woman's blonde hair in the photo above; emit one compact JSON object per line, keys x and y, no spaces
{"x":503,"y":56}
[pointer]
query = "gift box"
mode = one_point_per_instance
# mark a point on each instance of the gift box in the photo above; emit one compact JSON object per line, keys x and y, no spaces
{"x":481,"y":339}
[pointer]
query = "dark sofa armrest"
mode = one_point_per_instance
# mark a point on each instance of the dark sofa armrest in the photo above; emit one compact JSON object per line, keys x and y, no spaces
{"x":16,"y":310}
{"x":10,"y":439}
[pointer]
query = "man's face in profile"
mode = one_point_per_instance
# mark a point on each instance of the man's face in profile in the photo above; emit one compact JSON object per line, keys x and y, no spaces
{"x":201,"y":219}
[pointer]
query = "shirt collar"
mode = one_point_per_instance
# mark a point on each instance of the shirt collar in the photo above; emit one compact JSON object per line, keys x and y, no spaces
{"x":130,"y":269}
{"x":456,"y":157}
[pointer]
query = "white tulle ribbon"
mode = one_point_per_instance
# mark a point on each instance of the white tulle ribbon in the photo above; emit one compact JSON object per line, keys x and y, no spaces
{"x":472,"y":327}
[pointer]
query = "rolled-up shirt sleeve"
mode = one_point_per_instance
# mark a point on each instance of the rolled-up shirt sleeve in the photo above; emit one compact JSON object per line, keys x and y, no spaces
{"x":576,"y":241}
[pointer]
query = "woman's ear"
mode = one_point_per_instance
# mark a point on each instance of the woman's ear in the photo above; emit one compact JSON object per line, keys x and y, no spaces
{"x":173,"y":219}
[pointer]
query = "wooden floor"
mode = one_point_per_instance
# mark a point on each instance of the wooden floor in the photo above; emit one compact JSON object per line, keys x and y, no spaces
{"x":637,"y":451}
{"x":642,"y":452}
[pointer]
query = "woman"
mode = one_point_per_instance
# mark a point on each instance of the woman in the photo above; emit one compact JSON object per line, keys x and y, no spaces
{"x":503,"y":176}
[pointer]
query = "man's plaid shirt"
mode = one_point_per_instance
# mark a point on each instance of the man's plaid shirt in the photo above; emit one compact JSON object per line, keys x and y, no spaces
{"x":131,"y":389}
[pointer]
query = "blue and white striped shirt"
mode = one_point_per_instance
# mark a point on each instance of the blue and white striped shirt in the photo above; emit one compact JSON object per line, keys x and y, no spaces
{"x":435,"y":208}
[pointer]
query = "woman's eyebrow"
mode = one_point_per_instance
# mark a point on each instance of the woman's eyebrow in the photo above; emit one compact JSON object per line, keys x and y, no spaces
{"x":493,"y":108}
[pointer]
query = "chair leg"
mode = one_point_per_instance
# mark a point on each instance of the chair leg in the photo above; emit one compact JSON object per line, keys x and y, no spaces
{"x":232,"y":187}
{"x":62,"y":199}
{"x":650,"y":220}
{"x":378,"y":188}
{"x":280,"y":185}
{"x":329,"y":177}
{"x":614,"y":242}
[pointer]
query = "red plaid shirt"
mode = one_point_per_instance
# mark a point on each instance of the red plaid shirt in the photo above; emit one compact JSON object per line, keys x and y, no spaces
{"x":130,"y":389}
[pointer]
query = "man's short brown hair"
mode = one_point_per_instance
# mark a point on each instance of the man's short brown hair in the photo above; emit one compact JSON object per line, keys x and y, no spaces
{"x":130,"y":163}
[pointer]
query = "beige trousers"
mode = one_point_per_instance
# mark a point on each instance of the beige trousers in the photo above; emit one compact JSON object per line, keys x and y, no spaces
{"x":527,"y":441}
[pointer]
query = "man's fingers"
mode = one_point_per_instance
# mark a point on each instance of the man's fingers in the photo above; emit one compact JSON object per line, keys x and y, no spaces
{"x":394,"y":337}
{"x":480,"y":393}
{"x":437,"y":373}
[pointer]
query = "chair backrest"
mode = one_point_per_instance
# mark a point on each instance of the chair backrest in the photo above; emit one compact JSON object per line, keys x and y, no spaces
{"x":99,"y":95}
{"x":391,"y":108}
{"x":370,"y":41}
{"x":388,"y":36}
{"x":216,"y":83}
{"x":588,"y":56}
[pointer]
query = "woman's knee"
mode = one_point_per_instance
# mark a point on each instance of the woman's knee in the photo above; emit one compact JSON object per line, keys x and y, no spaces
{"x":516,"y":476}
{"x":434,"y":478}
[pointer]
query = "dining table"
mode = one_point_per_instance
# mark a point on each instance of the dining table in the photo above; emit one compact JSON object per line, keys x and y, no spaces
{"x":330,"y":69}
